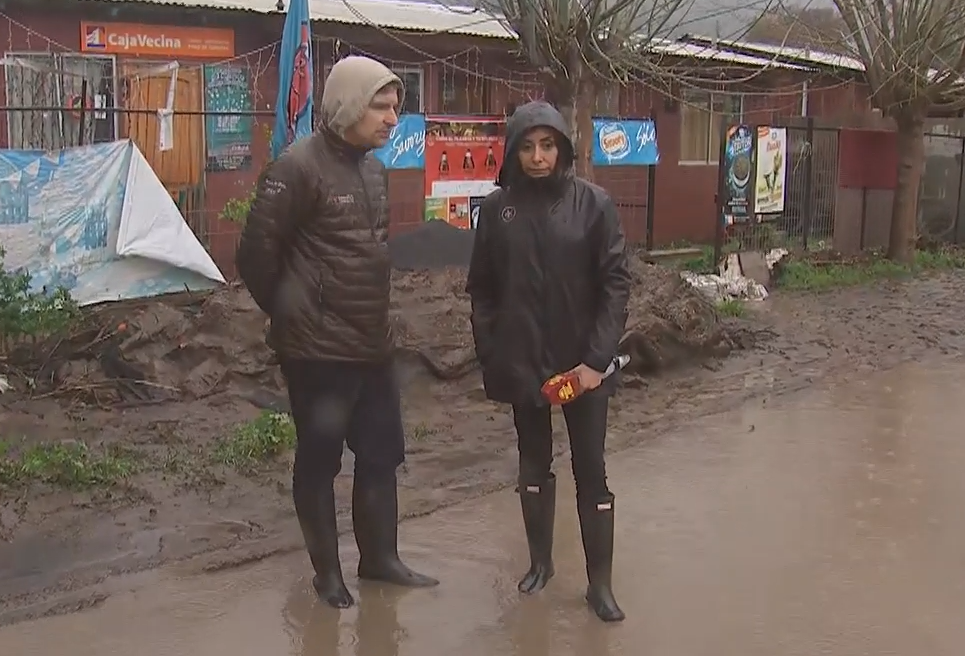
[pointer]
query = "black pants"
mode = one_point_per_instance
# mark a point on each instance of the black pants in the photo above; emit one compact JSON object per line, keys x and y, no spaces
{"x":586,"y":425}
{"x":334,"y":403}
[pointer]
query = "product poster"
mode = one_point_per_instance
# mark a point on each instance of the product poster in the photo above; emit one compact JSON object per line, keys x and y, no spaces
{"x":738,"y":160}
{"x":406,"y":146}
{"x":625,"y":143}
{"x":462,"y":159}
{"x":771,"y":170}
{"x":228,"y":135}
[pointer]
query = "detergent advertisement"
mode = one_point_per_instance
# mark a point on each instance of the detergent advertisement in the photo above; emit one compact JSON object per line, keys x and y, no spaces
{"x":624,"y":143}
{"x":462,"y":159}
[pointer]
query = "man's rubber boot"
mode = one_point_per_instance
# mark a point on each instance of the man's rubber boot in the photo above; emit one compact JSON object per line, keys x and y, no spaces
{"x":375,"y":518}
{"x":539,"y":515}
{"x":316,"y":516}
{"x":596,"y":525}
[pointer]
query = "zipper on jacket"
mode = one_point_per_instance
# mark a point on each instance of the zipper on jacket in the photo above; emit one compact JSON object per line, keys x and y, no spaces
{"x":368,"y":203}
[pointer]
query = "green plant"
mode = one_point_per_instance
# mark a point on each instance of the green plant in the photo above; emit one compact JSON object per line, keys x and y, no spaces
{"x":236,"y":209}
{"x":808,"y":275}
{"x":67,"y":464}
{"x":26,"y":313}
{"x":257,"y":441}
{"x":731,"y":307}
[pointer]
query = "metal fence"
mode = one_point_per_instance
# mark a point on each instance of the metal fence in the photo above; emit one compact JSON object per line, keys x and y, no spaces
{"x":941,"y":204}
{"x":810,"y":188}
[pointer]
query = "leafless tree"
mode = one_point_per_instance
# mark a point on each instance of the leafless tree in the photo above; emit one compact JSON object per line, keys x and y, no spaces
{"x":913,"y":52}
{"x":581,"y":45}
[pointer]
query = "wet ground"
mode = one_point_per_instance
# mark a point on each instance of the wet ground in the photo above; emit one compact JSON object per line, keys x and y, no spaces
{"x":825,"y":521}
{"x":59,"y":549}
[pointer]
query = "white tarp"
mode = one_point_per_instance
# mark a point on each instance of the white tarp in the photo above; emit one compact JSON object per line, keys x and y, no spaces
{"x":97,"y":221}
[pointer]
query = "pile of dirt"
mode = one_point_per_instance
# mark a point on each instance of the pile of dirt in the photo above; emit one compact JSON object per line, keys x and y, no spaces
{"x":191,"y":346}
{"x":133,"y":352}
{"x":433,"y":245}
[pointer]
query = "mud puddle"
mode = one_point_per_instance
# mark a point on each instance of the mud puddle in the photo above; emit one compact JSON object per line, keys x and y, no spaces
{"x":825,"y":521}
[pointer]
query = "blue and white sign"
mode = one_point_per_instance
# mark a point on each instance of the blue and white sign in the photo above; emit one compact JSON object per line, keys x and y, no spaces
{"x":97,"y":221}
{"x":407,"y":144}
{"x":624,"y":143}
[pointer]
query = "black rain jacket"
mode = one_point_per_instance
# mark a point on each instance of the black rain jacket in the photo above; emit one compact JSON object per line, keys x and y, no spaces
{"x":548,"y":280}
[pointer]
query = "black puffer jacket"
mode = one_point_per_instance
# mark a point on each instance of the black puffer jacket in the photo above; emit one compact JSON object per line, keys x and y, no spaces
{"x":314,"y":253}
{"x":548,"y":280}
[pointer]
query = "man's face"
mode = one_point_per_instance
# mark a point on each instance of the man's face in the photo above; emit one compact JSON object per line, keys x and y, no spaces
{"x":375,"y":126}
{"x":538,"y":152}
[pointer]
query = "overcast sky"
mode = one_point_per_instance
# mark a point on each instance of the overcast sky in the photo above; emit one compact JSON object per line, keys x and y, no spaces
{"x":714,"y":18}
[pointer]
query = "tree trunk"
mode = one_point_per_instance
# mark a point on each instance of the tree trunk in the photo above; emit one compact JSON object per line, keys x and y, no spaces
{"x":911,"y":161}
{"x":583,"y":134}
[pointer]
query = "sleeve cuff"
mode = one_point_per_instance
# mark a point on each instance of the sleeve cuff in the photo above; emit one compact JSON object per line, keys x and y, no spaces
{"x":596,"y":362}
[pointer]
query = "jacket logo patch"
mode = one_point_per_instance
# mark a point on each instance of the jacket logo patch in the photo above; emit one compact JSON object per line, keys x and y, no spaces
{"x":508,"y":213}
{"x":344,"y":199}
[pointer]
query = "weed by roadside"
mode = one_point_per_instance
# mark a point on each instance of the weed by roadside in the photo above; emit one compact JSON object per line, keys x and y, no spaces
{"x":68,"y":464}
{"x":815,"y":274}
{"x":420,"y":433}
{"x":731,"y":307}
{"x":257,"y":441}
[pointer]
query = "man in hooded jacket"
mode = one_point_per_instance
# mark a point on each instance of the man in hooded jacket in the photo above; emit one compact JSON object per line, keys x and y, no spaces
{"x":314,"y":256}
{"x":549,"y":286}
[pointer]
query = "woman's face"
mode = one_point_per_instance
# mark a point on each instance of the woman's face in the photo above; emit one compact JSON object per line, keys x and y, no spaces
{"x":538,"y":152}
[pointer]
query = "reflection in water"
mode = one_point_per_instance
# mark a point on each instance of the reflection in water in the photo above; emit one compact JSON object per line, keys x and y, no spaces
{"x":317,"y":630}
{"x":377,"y":627}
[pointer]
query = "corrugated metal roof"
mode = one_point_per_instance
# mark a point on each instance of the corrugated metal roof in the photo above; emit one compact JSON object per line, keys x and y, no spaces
{"x":711,"y":53}
{"x":377,"y":13}
{"x":788,"y":52}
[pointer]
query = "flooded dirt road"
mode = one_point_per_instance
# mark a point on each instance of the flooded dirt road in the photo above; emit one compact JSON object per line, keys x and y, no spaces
{"x":822,"y":522}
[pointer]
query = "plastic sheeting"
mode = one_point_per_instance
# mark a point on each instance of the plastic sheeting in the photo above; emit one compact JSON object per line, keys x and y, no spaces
{"x":731,"y":283}
{"x":97,"y":221}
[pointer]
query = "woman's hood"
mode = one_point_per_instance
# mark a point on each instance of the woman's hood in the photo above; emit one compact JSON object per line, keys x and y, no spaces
{"x":534,"y":114}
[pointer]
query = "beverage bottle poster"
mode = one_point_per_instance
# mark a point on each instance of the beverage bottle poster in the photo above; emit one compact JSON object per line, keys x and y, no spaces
{"x":463,"y":155}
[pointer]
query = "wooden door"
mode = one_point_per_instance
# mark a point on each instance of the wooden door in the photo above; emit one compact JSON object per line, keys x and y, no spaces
{"x":183,"y":165}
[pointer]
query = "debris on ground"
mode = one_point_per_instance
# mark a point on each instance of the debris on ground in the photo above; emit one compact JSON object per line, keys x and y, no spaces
{"x":741,"y":276}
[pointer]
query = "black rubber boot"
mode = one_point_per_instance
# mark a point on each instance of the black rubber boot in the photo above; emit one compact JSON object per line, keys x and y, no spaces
{"x":539,"y":515}
{"x":375,"y":518}
{"x":596,"y":525}
{"x":316,"y":516}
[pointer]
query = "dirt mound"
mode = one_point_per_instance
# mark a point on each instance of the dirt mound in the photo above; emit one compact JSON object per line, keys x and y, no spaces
{"x":191,"y":346}
{"x":433,"y":245}
{"x":181,"y":346}
{"x":671,"y":323}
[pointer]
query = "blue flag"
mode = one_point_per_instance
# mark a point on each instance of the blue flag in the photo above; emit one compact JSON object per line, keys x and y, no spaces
{"x":293,"y":109}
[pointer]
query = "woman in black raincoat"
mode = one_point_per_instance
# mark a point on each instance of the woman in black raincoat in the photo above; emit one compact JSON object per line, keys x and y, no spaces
{"x":549,"y":286}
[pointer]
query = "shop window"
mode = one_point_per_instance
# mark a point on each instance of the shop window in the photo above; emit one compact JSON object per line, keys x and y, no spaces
{"x":38,"y":84}
{"x":701,"y":114}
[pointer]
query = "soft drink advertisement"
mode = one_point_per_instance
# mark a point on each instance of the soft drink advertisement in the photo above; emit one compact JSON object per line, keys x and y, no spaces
{"x":406,"y":148}
{"x":462,"y":159}
{"x":624,"y":143}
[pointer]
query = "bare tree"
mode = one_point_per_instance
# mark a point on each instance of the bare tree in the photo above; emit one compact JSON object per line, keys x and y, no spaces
{"x":581,"y":46}
{"x":801,"y":26}
{"x":913,"y":52}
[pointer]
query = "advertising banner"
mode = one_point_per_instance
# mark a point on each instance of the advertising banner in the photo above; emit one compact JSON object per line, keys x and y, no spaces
{"x":624,"y":143}
{"x":97,"y":221}
{"x":142,"y":40}
{"x":228,"y":136}
{"x":771,"y":170}
{"x":462,"y":158}
{"x":738,"y":173}
{"x":407,"y":144}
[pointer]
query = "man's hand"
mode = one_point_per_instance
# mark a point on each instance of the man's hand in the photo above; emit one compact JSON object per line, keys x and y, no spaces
{"x":589,"y":379}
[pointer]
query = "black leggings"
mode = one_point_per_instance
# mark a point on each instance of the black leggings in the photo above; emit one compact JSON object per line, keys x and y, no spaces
{"x":586,"y":425}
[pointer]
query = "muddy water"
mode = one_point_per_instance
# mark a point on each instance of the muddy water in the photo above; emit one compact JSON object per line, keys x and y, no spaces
{"x":829,"y":522}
